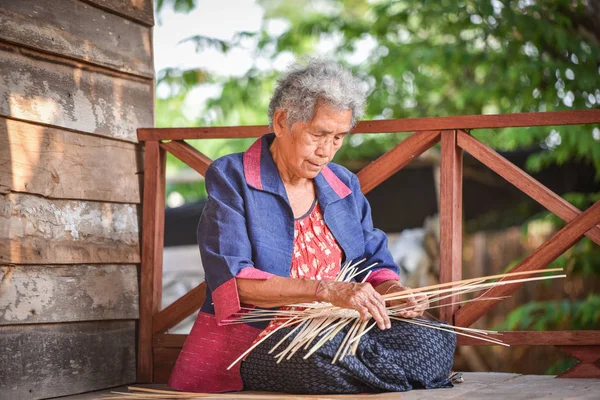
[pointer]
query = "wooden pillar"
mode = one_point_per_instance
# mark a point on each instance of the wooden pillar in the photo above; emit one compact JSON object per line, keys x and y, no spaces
{"x":152,"y":254}
{"x":450,"y":218}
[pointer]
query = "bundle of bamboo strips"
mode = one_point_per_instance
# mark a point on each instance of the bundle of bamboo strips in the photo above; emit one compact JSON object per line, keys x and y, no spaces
{"x":320,"y":322}
{"x":138,"y":393}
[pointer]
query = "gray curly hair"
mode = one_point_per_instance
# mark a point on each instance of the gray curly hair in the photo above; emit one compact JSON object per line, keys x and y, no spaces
{"x":321,"y":81}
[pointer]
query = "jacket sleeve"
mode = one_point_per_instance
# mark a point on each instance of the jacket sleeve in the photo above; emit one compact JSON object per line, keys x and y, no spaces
{"x":376,"y":248}
{"x":224,"y":243}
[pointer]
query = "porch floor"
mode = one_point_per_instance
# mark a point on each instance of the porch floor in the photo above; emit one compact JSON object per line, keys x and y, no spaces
{"x":477,"y":385}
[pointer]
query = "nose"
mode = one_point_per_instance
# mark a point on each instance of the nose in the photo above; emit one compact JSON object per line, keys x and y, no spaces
{"x":325,"y":149}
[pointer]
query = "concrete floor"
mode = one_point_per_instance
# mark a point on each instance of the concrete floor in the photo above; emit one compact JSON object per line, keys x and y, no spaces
{"x":477,"y":385}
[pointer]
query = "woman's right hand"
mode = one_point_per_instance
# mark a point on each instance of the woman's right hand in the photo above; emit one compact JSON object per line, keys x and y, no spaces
{"x":361,"y":297}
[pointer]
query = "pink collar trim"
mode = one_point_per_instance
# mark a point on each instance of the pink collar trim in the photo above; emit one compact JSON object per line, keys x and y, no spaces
{"x":252,"y":164}
{"x":336,"y":183}
{"x":252,"y":161}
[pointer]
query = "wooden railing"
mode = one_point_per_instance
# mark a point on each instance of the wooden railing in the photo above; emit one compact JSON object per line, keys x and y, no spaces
{"x":158,"y":350}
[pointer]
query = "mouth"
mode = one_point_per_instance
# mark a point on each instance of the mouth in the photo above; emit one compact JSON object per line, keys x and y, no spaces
{"x":312,"y":164}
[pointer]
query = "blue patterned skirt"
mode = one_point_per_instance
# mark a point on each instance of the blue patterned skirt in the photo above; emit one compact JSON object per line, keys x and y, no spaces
{"x":402,"y":358}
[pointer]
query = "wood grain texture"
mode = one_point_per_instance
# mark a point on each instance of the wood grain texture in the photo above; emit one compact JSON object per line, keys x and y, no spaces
{"x":523,"y":181}
{"x":137,"y":10}
{"x":535,"y":338}
{"x":396,"y":159}
{"x":35,"y":230}
{"x":540,"y":258}
{"x":451,"y":180}
{"x":169,"y":340}
{"x":164,"y":361}
{"x":152,"y":253}
{"x":189,"y":155}
{"x":42,"y":294}
{"x":224,"y":132}
{"x":392,"y":125}
{"x":588,"y":357}
{"x":159,"y":229}
{"x":481,"y":121}
{"x":48,"y":360}
{"x":61,"y":164}
{"x":180,"y":309}
{"x":74,"y":29}
{"x":38,"y":88}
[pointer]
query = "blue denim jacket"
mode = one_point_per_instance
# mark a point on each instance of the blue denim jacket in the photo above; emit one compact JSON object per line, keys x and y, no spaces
{"x":247,"y":230}
{"x":248,"y":223}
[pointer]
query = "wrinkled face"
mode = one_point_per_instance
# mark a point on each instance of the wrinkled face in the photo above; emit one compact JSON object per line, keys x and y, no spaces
{"x":309,"y":146}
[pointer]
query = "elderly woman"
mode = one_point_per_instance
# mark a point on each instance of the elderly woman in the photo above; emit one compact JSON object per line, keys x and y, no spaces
{"x":280,"y":220}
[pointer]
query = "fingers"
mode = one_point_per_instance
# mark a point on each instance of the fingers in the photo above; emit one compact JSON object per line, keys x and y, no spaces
{"x":379,"y":313}
{"x":409,"y":311}
{"x":370,"y":304}
{"x":422,"y":304}
{"x":361,"y":297}
{"x":364,"y":313}
{"x":415,"y":306}
{"x":380,"y":302}
{"x":409,"y":314}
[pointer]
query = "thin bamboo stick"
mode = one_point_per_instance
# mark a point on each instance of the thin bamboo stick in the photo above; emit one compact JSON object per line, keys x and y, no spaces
{"x":360,"y":331}
{"x":410,"y":321}
{"x":171,"y":394}
{"x":284,"y":338}
{"x":465,"y":281}
{"x":482,"y":285}
{"x":340,"y":347}
{"x":254,"y":346}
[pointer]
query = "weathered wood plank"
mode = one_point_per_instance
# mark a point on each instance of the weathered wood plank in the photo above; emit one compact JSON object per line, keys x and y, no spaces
{"x":451,"y":180}
{"x":35,"y":230}
{"x":517,"y":388}
{"x":61,"y":164}
{"x":138,"y":10}
{"x":396,"y":159}
{"x":39,"y":88}
{"x":392,"y":125}
{"x":476,"y":385}
{"x":42,"y":294}
{"x":152,"y":254}
{"x":77,"y":30}
{"x":49,"y":360}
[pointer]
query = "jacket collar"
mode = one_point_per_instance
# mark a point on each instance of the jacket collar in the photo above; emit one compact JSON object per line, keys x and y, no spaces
{"x":261,"y":173}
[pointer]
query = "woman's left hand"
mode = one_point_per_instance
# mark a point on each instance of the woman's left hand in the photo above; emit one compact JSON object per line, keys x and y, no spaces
{"x":415,"y":304}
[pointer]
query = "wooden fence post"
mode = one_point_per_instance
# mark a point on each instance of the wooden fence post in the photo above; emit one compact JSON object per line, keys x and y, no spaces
{"x":451,"y":177}
{"x":152,"y":254}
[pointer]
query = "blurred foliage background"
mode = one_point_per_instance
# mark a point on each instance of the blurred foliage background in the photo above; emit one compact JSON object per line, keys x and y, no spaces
{"x":427,"y":59}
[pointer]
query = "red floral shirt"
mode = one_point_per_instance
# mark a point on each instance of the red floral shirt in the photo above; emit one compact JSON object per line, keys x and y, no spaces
{"x":317,"y":255}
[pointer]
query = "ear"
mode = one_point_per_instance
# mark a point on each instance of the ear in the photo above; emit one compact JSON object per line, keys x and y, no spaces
{"x":280,"y":125}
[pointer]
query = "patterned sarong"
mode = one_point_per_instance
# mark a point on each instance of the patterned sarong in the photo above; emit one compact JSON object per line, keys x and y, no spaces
{"x":402,"y":358}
